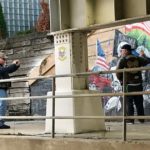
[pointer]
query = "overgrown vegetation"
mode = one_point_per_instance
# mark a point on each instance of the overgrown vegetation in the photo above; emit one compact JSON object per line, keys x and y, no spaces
{"x":25,"y":32}
{"x":3,"y":27}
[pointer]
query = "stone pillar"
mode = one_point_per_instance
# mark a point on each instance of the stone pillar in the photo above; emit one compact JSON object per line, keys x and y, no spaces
{"x":71,"y":57}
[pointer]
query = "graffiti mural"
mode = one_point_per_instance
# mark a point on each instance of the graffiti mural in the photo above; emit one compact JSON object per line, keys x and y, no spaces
{"x":138,"y":35}
{"x":141,"y":32}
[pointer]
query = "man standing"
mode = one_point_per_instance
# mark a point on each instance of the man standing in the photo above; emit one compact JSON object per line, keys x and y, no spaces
{"x":4,"y":74}
{"x":133,"y":80}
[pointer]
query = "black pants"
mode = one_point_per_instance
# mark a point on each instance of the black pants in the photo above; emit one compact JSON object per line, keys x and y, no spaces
{"x":135,"y":99}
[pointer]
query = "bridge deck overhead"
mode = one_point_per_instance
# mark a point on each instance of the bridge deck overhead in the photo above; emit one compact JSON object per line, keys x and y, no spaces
{"x":74,"y":14}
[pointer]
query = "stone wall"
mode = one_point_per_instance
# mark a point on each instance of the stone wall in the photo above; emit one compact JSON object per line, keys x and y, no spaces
{"x":31,"y":50}
{"x":40,"y":88}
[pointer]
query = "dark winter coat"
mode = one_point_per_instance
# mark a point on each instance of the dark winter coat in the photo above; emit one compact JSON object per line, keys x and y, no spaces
{"x":4,"y":74}
{"x":131,"y":61}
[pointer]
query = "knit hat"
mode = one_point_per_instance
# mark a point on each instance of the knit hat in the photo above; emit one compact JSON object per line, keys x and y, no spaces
{"x":127,"y":47}
{"x":120,"y":47}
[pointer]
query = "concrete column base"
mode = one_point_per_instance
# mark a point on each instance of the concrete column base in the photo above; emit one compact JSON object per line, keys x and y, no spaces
{"x":83,"y":106}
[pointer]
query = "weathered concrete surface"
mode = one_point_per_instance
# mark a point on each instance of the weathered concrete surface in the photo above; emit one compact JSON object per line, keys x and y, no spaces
{"x":113,"y":131}
{"x":28,"y":143}
{"x":30,"y":135}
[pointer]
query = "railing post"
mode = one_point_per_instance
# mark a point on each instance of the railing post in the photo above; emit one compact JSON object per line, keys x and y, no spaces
{"x":53,"y":107}
{"x":124,"y":109}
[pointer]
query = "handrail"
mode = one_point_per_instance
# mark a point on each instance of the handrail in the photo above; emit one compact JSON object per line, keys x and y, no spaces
{"x":77,"y":95}
{"x":75,"y":74}
{"x":73,"y":117}
{"x":53,"y":97}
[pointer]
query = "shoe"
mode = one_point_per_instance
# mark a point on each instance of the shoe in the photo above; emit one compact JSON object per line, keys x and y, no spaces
{"x":130,"y":121}
{"x":4,"y":126}
{"x":141,"y":120}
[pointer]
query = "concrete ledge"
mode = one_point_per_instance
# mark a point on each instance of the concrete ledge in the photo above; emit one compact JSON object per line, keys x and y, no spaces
{"x":29,"y":135}
{"x":29,"y":143}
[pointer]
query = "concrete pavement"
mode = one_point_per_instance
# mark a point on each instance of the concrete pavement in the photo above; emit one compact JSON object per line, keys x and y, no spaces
{"x":30,"y":135}
{"x":113,"y":131}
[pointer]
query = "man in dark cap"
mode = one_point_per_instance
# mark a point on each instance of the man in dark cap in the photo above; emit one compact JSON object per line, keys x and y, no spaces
{"x":4,"y":74}
{"x":133,"y":80}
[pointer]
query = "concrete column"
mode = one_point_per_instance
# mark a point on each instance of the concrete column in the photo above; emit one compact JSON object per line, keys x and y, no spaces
{"x":71,"y":57}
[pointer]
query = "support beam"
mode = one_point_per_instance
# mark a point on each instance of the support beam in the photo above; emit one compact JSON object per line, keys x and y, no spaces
{"x":106,"y":25}
{"x":71,"y":57}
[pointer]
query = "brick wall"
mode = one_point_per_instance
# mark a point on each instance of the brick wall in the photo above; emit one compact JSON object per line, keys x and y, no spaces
{"x":106,"y":37}
{"x":39,"y":88}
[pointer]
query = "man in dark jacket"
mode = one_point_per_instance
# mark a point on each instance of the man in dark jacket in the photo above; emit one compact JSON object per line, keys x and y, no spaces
{"x":133,"y":80}
{"x":4,"y":74}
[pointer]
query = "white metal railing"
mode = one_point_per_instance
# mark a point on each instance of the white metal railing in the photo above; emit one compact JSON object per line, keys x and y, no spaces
{"x":77,"y":95}
{"x":53,"y":117}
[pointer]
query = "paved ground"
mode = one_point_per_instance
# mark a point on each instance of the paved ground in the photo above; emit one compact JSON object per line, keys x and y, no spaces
{"x":24,"y":128}
{"x":113,"y":131}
